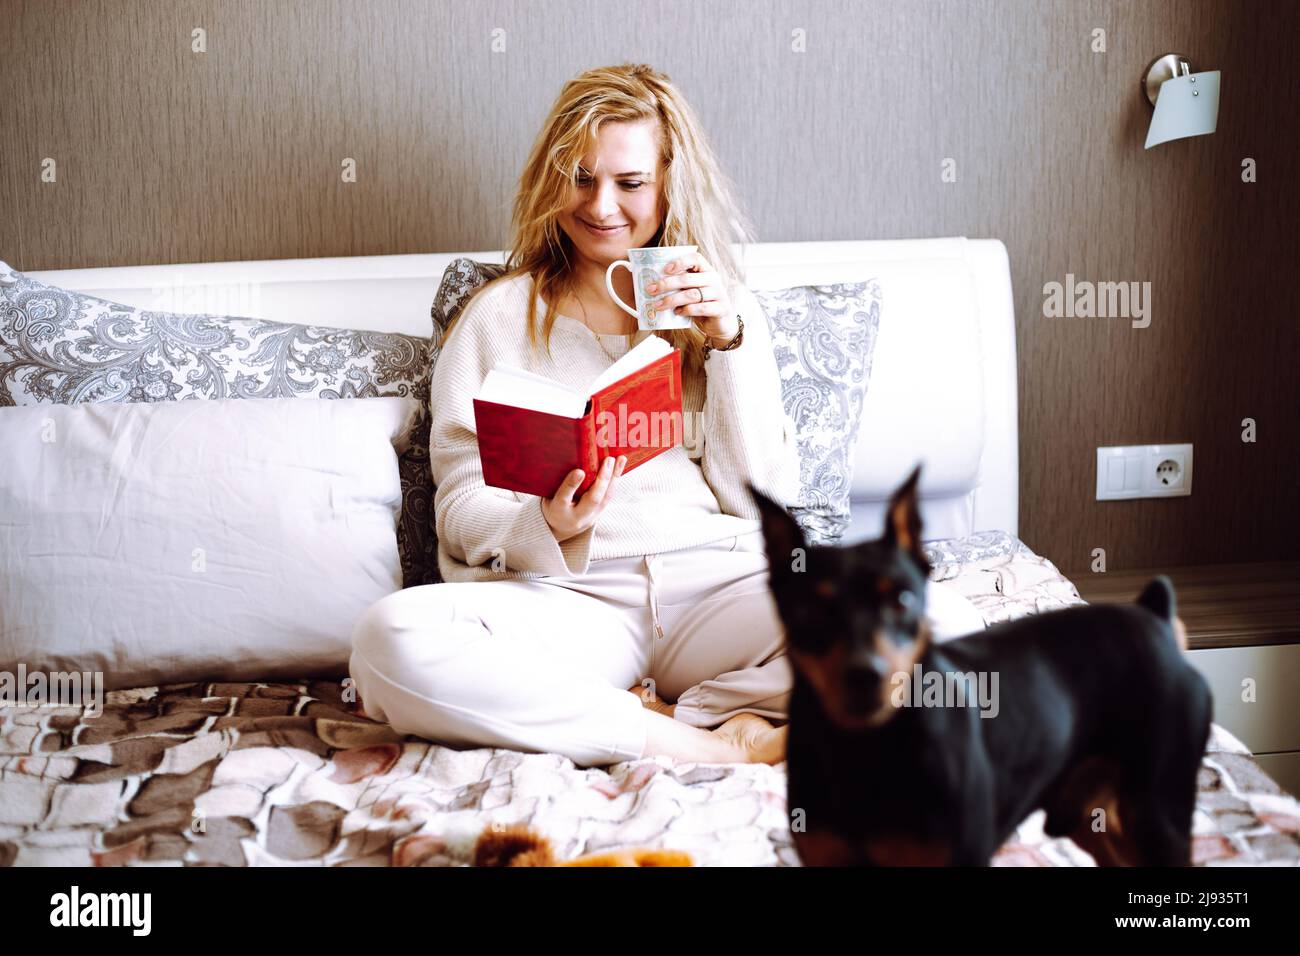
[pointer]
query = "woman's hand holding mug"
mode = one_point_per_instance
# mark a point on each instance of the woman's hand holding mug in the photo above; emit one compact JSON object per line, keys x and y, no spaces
{"x":568,"y":518}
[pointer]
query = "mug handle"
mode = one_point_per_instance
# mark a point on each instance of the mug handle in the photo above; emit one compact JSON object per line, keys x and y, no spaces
{"x":609,"y":284}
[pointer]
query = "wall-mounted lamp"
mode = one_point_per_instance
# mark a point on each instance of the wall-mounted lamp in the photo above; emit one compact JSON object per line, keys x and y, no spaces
{"x":1187,"y":103}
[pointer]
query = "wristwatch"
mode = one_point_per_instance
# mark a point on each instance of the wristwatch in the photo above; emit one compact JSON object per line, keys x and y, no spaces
{"x":734,"y":343}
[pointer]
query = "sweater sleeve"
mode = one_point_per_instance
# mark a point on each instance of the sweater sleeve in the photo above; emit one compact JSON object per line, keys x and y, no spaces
{"x":747,"y":434}
{"x":479,"y":524}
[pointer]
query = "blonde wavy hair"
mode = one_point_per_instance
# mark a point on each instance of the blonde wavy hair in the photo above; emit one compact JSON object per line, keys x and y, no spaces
{"x":697,"y":203}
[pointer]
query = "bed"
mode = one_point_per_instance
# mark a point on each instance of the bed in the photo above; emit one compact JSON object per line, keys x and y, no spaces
{"x":289,"y":771}
{"x":255,"y":774}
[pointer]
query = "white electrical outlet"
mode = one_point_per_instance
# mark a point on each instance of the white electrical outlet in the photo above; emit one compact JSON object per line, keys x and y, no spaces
{"x":1143,"y":471}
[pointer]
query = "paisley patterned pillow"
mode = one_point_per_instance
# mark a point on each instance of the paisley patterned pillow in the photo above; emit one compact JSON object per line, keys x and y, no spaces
{"x":64,"y":348}
{"x":462,"y":277}
{"x":824,"y":337}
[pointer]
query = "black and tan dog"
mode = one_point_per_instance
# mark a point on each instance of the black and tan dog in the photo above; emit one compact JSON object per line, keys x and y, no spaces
{"x":894,"y":758}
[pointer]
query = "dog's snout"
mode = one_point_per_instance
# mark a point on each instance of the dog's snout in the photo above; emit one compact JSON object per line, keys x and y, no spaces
{"x":863,"y":674}
{"x":868,"y":657}
{"x":863,"y":677}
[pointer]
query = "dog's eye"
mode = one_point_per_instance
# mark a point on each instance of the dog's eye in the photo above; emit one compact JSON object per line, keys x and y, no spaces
{"x":896,"y":597}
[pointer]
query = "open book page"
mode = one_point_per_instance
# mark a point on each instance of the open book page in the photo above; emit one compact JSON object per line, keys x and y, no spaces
{"x":509,"y":385}
{"x":639,"y":356}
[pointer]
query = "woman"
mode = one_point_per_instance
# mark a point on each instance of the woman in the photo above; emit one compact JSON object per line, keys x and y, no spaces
{"x":655,"y":581}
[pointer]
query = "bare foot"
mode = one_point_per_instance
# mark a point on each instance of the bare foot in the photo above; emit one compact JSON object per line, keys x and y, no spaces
{"x":652,"y":701}
{"x":754,"y":737}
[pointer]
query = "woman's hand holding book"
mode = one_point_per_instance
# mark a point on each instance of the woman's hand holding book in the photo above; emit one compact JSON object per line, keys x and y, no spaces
{"x":568,"y":518}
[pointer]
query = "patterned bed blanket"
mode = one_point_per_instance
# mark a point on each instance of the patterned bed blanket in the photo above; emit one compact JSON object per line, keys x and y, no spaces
{"x":290,"y":773}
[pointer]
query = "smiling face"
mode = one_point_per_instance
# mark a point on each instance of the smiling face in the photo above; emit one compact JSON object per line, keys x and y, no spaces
{"x":619,"y":184}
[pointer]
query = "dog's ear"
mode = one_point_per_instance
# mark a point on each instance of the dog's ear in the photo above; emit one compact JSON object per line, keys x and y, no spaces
{"x":781,"y":533}
{"x":903,"y":521}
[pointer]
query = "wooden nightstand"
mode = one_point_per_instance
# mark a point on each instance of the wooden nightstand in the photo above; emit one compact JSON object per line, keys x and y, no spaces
{"x":1243,"y":622}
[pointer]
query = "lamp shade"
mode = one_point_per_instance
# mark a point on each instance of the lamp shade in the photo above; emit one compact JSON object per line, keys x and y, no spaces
{"x":1188,"y":105}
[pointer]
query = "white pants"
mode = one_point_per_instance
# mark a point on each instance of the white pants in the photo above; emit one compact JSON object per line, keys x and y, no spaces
{"x":544,"y":665}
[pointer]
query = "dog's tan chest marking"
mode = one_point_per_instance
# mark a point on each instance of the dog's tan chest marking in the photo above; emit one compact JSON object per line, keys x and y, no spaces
{"x":824,"y":848}
{"x":905,"y":851}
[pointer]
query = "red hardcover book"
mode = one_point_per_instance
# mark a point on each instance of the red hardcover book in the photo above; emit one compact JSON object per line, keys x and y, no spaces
{"x":533,"y":431}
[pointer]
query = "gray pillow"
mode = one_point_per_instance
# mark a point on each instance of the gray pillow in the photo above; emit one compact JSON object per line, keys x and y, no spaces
{"x":460,"y":280}
{"x":65,"y":348}
{"x":824,"y":337}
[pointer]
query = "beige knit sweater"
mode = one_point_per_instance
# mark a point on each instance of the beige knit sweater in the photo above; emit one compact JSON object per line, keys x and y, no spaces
{"x":690,"y":495}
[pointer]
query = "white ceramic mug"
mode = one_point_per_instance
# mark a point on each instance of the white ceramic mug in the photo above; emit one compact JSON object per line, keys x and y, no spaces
{"x":646,"y":266}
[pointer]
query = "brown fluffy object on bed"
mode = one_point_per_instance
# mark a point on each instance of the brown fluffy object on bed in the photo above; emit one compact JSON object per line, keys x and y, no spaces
{"x":518,"y":845}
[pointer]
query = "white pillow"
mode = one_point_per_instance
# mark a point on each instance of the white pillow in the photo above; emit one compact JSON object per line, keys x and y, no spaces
{"x":182,"y":541}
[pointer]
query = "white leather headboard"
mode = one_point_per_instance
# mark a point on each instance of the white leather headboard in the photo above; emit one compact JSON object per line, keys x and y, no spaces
{"x":943,"y":377}
{"x":943,"y":383}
